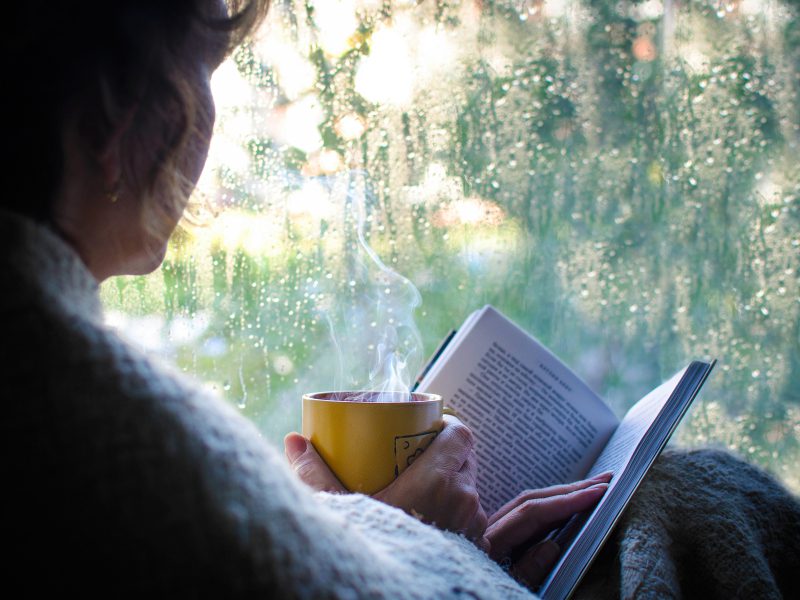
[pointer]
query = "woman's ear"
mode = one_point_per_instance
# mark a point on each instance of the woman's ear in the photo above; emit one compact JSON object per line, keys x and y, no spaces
{"x":99,"y":125}
{"x":109,"y":155}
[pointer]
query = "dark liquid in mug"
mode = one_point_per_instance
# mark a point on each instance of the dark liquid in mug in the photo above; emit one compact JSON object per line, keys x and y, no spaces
{"x":370,"y":397}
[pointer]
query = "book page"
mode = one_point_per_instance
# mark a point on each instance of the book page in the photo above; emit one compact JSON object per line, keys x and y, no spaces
{"x":638,"y":420}
{"x":629,"y":453}
{"x":535,"y":422}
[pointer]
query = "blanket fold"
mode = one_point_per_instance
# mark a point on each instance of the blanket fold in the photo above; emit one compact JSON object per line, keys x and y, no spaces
{"x":704,"y":524}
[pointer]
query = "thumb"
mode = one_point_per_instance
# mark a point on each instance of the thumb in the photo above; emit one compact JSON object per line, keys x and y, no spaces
{"x":536,"y":563}
{"x":308,"y":465}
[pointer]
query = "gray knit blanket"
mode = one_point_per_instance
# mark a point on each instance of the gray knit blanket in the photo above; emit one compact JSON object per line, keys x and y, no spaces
{"x":704,"y":524}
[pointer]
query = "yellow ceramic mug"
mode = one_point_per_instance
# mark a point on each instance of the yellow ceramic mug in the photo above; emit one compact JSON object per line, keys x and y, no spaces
{"x":367,"y":444}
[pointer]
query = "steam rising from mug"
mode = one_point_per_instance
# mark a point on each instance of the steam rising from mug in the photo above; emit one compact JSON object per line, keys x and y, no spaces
{"x":370,"y":315}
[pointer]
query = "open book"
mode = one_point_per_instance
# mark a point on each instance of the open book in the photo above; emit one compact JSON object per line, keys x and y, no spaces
{"x":537,"y":424}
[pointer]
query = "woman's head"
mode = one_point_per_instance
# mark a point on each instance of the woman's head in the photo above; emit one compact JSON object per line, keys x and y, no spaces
{"x":108,"y":106}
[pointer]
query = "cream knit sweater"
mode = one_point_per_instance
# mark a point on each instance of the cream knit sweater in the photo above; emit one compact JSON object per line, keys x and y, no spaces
{"x":121,"y":477}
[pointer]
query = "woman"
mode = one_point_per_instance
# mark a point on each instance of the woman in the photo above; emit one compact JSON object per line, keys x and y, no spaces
{"x":120,"y":475}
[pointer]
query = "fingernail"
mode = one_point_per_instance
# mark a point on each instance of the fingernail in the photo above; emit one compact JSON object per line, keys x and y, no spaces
{"x":605,"y":475}
{"x":295,"y":445}
{"x":598,"y":486}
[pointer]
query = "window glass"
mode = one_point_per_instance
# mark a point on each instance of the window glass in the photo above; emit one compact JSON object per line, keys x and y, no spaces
{"x":618,"y":177}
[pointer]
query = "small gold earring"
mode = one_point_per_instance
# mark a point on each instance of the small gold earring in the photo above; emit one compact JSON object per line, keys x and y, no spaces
{"x":113,"y":193}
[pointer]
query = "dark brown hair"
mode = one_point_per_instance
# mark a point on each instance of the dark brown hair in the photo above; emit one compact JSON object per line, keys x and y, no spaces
{"x":92,"y":61}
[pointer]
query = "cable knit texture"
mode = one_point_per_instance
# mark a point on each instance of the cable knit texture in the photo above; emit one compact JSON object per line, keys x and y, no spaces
{"x":121,"y":477}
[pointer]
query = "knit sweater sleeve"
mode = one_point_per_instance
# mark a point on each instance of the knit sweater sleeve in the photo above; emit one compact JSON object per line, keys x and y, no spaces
{"x":137,"y":480}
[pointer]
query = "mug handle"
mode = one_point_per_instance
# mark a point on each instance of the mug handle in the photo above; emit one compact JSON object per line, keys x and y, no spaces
{"x":446,"y":410}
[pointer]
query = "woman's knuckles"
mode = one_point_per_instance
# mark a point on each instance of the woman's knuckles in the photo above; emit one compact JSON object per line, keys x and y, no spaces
{"x":461,"y":436}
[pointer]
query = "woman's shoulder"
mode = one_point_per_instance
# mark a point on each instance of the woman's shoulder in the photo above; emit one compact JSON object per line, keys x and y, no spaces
{"x":119,"y":461}
{"x":76,"y":381}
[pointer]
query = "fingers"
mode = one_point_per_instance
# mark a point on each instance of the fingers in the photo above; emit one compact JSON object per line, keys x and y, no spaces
{"x":440,"y":486}
{"x":456,"y":454}
{"x":453,"y":445}
{"x":308,"y":465}
{"x":535,"y":517}
{"x":448,"y":452}
{"x":536,"y":563}
{"x":470,"y":466}
{"x":477,"y":526}
{"x":555,"y":490}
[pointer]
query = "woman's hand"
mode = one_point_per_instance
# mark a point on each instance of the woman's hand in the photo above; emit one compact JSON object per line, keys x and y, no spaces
{"x":516,"y":531}
{"x":438,"y":487}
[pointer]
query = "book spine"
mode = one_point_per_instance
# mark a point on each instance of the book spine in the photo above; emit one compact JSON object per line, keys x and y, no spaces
{"x":432,"y":360}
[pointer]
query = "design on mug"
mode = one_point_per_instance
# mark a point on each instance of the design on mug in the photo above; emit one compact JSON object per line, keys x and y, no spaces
{"x":408,"y":447}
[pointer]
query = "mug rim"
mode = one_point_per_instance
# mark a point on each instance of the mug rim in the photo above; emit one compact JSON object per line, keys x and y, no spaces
{"x":330,"y":396}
